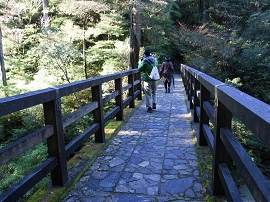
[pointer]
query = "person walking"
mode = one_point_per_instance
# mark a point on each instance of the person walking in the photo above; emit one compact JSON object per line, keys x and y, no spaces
{"x":166,"y":71}
{"x":150,"y":86}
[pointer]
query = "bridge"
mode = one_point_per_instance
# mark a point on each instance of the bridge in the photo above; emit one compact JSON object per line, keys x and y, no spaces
{"x":153,"y":156}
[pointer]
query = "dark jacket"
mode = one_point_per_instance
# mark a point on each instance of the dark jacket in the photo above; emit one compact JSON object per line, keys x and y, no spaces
{"x":145,"y":67}
{"x":166,"y":71}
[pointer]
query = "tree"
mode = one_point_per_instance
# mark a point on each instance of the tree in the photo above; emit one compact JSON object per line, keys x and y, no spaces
{"x":135,"y":32}
{"x":254,"y":58}
{"x":45,"y":4}
{"x":4,"y":79}
{"x":85,"y":14}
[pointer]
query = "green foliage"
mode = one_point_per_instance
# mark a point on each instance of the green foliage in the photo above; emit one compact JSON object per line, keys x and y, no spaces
{"x":218,"y":27}
{"x":19,"y":167}
{"x":254,"y":147}
{"x":76,"y":128}
{"x":156,"y":25}
{"x":18,"y":124}
{"x":229,"y":45}
{"x":110,"y":27}
{"x":175,"y":14}
{"x":254,"y":58}
{"x":236,"y":82}
{"x":44,"y":58}
{"x":9,"y":90}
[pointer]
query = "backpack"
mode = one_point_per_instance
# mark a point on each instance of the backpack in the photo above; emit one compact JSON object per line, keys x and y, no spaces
{"x":154,"y":75}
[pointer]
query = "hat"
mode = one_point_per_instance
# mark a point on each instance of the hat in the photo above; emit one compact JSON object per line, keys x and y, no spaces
{"x":167,"y":58}
{"x":147,"y":52}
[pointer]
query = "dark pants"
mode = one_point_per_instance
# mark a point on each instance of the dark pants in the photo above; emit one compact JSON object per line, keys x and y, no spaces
{"x":167,"y":84}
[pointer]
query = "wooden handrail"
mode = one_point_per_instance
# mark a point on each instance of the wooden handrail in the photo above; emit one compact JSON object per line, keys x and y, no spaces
{"x":52,"y":131}
{"x":228,"y":102}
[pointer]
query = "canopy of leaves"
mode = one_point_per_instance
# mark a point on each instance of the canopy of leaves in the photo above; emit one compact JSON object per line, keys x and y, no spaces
{"x":226,"y":39}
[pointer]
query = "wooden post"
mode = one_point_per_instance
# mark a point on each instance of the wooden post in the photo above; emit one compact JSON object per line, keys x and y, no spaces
{"x":119,"y":99}
{"x":98,"y":113}
{"x":204,"y":119}
{"x":182,"y":70}
{"x":139,"y":86}
{"x":186,"y":81}
{"x":191,"y":90}
{"x":56,"y":143}
{"x":196,"y":100}
{"x":223,"y":118}
{"x":131,"y":90}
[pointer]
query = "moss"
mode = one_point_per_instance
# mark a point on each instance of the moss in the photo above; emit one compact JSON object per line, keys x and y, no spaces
{"x":89,"y":151}
{"x":204,"y":159}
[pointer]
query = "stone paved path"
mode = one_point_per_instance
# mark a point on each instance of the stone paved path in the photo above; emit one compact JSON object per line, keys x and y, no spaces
{"x":152,"y":158}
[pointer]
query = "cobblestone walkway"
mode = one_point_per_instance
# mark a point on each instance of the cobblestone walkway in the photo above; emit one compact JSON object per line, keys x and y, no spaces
{"x":152,"y":158}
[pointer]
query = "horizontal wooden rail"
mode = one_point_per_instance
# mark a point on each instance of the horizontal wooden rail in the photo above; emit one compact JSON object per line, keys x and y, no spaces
{"x":76,"y":115}
{"x":54,"y":125}
{"x":228,"y":102}
{"x":13,"y":193}
{"x":16,"y":148}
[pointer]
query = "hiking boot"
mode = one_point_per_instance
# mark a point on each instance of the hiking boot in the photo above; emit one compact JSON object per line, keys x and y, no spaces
{"x":149,"y":110}
{"x":154,"y":106}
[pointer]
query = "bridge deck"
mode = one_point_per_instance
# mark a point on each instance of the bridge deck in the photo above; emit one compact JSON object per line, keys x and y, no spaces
{"x":152,"y":157}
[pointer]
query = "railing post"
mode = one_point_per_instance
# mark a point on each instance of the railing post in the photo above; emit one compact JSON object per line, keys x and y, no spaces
{"x":56,"y":144}
{"x":204,"y":119}
{"x":98,"y":113}
{"x":187,"y":82}
{"x":184,"y":77}
{"x":191,"y":90}
{"x":131,"y":90}
{"x":196,"y":100}
{"x":223,"y":118}
{"x":119,"y":98}
{"x":187,"y":85}
{"x":139,"y":86}
{"x":182,"y":72}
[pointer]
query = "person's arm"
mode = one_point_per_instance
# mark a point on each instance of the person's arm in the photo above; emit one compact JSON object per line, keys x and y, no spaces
{"x":141,"y":66}
{"x":160,"y":68}
{"x":171,"y":66}
{"x":156,"y":63}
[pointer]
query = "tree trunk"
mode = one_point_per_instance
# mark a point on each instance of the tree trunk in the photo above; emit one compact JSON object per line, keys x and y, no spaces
{"x":84,"y":47}
{"x":45,"y":4}
{"x":4,"y":79}
{"x":135,"y":32}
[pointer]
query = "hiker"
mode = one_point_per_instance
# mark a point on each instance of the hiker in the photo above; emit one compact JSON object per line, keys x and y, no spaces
{"x":150,"y":86}
{"x":166,"y":71}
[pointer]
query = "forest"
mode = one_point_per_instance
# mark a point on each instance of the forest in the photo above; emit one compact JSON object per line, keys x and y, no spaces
{"x":45,"y":43}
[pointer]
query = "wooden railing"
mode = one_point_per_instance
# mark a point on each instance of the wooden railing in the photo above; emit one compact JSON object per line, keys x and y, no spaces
{"x":225,"y":148}
{"x":52,"y":131}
